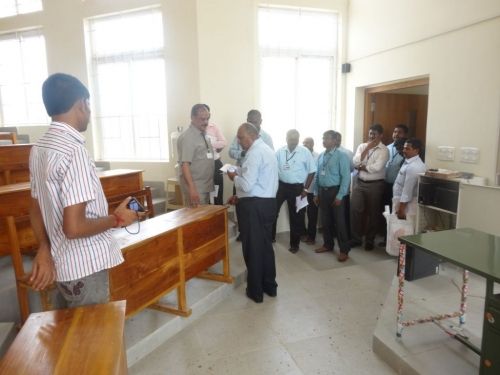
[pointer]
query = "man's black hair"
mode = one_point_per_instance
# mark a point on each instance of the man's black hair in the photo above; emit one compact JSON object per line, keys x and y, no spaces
{"x":377,"y":128}
{"x":60,"y":92}
{"x":402,"y":127}
{"x":197,"y":108}
{"x":415,"y":143}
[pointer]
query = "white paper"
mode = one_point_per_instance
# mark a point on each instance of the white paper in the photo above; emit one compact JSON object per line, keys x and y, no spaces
{"x":225,"y":167}
{"x":301,"y":202}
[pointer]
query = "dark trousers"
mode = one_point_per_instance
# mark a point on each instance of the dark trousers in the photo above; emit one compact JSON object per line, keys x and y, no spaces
{"x":333,"y":219}
{"x":219,"y":180}
{"x":289,"y":192}
{"x":347,"y":213}
{"x":366,"y":198}
{"x":312,"y":217}
{"x":256,"y":222}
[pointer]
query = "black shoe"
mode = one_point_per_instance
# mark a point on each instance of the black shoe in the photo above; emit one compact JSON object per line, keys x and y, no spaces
{"x":369,"y":246}
{"x":274,"y":240}
{"x":256,"y":299}
{"x":293,"y":249}
{"x":238,"y":238}
{"x":271,"y":292}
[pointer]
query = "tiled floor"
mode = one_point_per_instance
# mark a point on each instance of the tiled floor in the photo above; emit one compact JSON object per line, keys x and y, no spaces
{"x":322,"y":322}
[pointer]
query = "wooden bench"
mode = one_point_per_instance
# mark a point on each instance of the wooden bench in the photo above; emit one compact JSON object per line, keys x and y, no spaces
{"x":83,"y":340}
{"x":14,"y":163}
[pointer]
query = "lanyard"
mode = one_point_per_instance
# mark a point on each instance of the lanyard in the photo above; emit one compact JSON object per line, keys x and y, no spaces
{"x":291,"y":156}
{"x":330,"y":155}
{"x":205,"y":140}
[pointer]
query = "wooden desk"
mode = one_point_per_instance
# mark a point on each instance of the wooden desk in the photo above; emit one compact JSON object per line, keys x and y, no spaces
{"x":476,"y":252}
{"x":9,"y":136}
{"x":15,"y":199}
{"x":14,"y":163}
{"x":169,"y":250}
{"x":83,"y":340}
{"x":120,"y":181}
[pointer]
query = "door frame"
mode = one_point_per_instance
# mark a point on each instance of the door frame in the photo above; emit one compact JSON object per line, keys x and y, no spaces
{"x":385,"y":88}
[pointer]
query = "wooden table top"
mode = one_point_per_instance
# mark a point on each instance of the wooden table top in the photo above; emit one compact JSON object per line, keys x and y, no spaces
{"x":164,"y":223}
{"x":117,"y":172}
{"x":83,"y":340}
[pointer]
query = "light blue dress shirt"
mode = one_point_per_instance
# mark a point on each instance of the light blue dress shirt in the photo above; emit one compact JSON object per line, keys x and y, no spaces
{"x":405,"y":186}
{"x":259,"y":172}
{"x":294,"y":166}
{"x":333,"y":170}
{"x":235,"y":148}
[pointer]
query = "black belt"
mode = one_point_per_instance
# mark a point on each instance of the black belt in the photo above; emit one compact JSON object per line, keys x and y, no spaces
{"x":369,"y":181}
{"x":247,"y":199}
{"x":329,"y":187}
{"x":286,"y":183}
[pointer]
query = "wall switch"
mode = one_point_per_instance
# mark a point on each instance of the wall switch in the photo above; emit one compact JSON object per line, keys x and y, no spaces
{"x":446,"y":153}
{"x":469,"y":154}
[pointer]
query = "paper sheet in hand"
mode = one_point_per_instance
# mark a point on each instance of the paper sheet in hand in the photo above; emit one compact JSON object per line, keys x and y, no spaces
{"x":225,"y":167}
{"x":300,"y":202}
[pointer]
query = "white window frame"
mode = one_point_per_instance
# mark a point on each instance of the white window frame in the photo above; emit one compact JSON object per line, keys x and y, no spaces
{"x":278,"y":131}
{"x":20,"y":7}
{"x":126,"y":57}
{"x":34,"y":112}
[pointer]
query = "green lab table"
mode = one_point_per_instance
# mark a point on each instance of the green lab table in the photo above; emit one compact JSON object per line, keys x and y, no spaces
{"x":476,"y":252}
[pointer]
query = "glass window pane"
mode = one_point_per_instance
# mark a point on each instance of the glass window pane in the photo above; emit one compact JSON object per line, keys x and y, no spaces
{"x":278,"y":96}
{"x":129,"y":77}
{"x":127,"y":33}
{"x":12,"y":7}
{"x":297,"y":83}
{"x":314,"y":97}
{"x":23,"y":68}
{"x":298,"y":30}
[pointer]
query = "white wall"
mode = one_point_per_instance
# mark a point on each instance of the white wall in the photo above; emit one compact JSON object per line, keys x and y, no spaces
{"x":454,"y":42}
{"x":211,"y":53}
{"x":63,"y":27}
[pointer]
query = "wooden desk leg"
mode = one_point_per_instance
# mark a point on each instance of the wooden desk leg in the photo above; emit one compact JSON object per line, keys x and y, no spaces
{"x":402,"y":262}
{"x":225,"y":277}
{"x":181,"y":310}
{"x":463,"y":301}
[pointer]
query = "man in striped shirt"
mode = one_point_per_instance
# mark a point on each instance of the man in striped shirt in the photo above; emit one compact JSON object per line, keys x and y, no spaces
{"x":69,"y":212}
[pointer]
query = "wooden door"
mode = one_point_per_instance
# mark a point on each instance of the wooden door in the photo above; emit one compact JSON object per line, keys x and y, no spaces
{"x":398,"y":103}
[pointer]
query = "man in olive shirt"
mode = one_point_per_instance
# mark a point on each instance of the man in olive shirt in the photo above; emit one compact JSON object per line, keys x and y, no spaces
{"x":196,"y":159}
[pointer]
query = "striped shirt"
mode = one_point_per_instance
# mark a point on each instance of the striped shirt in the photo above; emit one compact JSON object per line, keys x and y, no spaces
{"x":62,"y":174}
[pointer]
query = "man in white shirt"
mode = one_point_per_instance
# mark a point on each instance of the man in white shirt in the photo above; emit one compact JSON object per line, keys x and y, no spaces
{"x":256,"y":186}
{"x":366,"y":198}
{"x":296,"y":169}
{"x":405,"y":186}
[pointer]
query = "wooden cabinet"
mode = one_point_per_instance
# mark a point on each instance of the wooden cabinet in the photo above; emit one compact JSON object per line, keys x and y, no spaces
{"x":437,"y":204}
